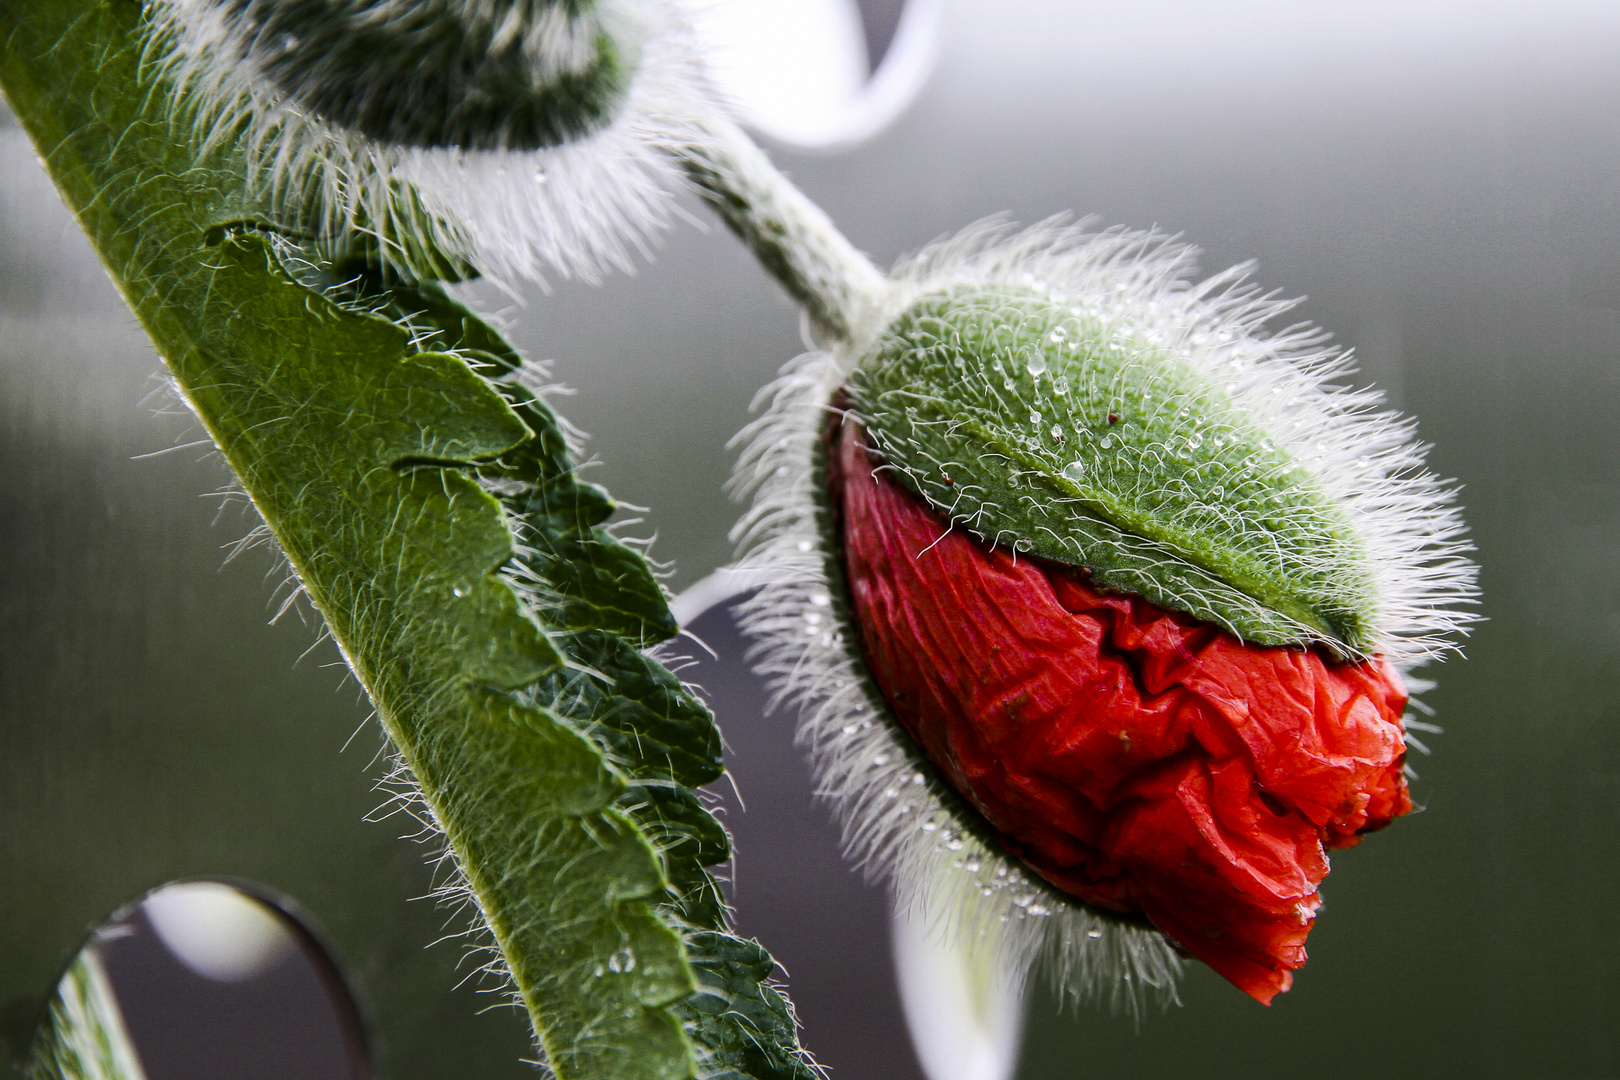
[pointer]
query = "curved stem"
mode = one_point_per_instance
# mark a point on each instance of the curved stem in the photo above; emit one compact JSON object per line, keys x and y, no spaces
{"x":793,"y":238}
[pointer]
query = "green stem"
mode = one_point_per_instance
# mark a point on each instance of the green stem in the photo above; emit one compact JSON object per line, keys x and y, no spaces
{"x":793,"y":238}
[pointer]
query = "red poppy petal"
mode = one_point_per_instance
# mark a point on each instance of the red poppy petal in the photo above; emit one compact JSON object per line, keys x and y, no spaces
{"x":1136,"y":758}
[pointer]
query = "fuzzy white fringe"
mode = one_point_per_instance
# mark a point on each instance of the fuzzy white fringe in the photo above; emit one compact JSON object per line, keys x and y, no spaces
{"x":899,"y":821}
{"x":580,"y":209}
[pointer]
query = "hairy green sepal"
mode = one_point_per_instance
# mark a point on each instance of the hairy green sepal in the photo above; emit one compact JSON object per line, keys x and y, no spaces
{"x":1040,"y":424}
{"x":557,"y":758}
{"x":479,"y":76}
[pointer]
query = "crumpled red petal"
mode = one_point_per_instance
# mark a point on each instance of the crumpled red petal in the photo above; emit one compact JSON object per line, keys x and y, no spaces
{"x":1137,"y":758}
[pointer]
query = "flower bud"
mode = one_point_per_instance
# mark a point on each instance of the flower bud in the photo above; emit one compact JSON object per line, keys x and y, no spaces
{"x":1125,"y":582}
{"x":485,"y":75}
{"x":505,"y":137}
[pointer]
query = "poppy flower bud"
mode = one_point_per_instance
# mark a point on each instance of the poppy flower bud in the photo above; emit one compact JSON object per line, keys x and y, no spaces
{"x":485,"y":136}
{"x":1127,"y":584}
{"x":495,"y":75}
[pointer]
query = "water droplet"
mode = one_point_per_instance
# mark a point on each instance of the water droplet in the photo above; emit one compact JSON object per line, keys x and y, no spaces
{"x":460,"y":590}
{"x":804,"y":545}
{"x":1037,"y":363}
{"x":1074,"y":470}
{"x":539,"y":176}
{"x":1195,"y":440}
{"x":821,"y":599}
{"x":881,"y":759}
{"x":1035,"y":418}
{"x":1007,"y":383}
{"x":1107,"y":442}
{"x":1093,"y":934}
{"x":929,"y":826}
{"x":1057,"y":433}
{"x":1060,"y":384}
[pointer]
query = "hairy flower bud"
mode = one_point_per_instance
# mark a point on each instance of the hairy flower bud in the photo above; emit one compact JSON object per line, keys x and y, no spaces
{"x":490,"y":75}
{"x":1121,"y":583}
{"x":507,"y":137}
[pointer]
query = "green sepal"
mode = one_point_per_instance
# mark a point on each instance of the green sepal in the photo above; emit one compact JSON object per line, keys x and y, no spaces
{"x":1035,"y":422}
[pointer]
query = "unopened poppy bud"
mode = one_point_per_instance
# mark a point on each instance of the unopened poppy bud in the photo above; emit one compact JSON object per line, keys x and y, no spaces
{"x":1126,"y":580}
{"x":494,"y":136}
{"x":490,"y":75}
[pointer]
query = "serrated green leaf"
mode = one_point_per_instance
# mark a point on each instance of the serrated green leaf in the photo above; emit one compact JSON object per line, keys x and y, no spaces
{"x":360,"y":447}
{"x":368,"y":447}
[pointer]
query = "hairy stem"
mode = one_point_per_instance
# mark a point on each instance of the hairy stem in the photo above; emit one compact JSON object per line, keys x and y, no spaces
{"x":793,"y":238}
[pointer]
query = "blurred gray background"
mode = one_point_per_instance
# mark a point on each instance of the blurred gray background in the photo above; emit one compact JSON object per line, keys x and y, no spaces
{"x":1441,"y":178}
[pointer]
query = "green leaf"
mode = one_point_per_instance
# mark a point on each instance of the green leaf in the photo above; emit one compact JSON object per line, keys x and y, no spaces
{"x":556,"y":757}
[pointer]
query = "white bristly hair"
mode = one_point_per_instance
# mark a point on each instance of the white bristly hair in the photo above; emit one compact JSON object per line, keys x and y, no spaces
{"x":899,"y":820}
{"x":580,"y":209}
